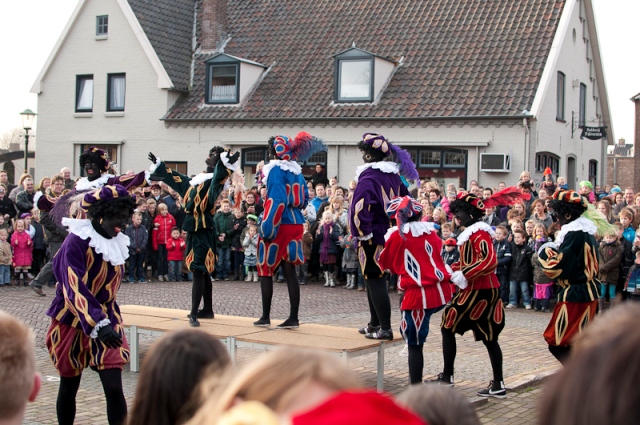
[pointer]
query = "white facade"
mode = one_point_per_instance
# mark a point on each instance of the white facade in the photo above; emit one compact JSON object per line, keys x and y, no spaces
{"x":139,"y":129}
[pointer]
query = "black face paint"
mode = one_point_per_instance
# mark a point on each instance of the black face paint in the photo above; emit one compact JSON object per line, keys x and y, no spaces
{"x":92,"y":170}
{"x":115,"y":223}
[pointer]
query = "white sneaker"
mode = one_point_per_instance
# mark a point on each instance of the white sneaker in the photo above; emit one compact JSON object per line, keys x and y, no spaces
{"x":512,"y":306}
{"x":527,"y":307}
{"x":405,"y":351}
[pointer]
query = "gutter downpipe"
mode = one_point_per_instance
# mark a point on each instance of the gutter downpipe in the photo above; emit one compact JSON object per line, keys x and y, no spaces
{"x":527,"y":143}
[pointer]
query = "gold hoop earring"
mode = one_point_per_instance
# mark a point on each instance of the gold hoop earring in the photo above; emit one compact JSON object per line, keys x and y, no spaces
{"x":567,"y":216}
{"x":101,"y":221}
{"x":367,"y":157}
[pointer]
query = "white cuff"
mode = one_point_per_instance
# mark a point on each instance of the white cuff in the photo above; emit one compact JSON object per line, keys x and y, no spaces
{"x":154,"y":167}
{"x":100,"y":325}
{"x":224,"y":156}
{"x":459,"y":280}
{"x":547,"y":245}
{"x":448,"y":268}
{"x":365,"y":238}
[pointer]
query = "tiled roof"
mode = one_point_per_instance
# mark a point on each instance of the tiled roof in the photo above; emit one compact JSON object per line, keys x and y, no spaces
{"x":168,"y":25}
{"x":461,"y":57}
{"x":622,"y":150}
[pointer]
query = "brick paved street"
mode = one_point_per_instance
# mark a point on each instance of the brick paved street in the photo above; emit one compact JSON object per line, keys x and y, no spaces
{"x":525,"y":354}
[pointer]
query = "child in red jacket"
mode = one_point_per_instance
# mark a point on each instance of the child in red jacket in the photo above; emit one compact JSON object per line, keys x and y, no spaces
{"x":175,"y":252}
{"x":22,"y":251}
{"x":162,"y":225}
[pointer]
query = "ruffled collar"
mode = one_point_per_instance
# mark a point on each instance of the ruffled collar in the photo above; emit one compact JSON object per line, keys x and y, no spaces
{"x":292,"y":166}
{"x":466,"y":234}
{"x":384,"y":166}
{"x":580,"y":224}
{"x":114,"y":250}
{"x":416,"y":228}
{"x":84,"y":183}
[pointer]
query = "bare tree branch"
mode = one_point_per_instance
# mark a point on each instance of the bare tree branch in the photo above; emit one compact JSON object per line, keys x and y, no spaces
{"x":11,"y":136}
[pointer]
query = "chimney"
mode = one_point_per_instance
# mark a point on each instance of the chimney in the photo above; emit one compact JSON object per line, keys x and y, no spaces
{"x":214,"y":24}
{"x":622,"y":141}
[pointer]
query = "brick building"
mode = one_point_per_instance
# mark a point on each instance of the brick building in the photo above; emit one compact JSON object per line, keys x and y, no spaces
{"x":623,"y":159}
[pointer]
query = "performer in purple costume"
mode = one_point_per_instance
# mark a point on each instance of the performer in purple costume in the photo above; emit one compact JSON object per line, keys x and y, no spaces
{"x":378,"y":182}
{"x":86,"y":326}
{"x":95,"y":163}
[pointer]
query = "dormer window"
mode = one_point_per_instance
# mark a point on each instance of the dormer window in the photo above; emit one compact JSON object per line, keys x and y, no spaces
{"x":229,"y":79}
{"x":360,"y":76}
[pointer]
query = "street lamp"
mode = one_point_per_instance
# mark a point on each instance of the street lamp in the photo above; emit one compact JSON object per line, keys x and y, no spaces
{"x":27,"y":123}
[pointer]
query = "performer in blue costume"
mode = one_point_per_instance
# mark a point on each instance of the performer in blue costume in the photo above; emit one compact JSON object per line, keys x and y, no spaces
{"x":281,"y":228}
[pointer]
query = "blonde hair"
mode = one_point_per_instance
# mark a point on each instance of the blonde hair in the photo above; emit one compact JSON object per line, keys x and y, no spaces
{"x":17,"y":365}
{"x":443,"y":215}
{"x":540,"y":226}
{"x":327,"y":213}
{"x":276,"y":379}
{"x":162,"y":207}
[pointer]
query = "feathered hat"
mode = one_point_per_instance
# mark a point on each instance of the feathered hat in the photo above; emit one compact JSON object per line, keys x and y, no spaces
{"x":400,"y":156}
{"x":299,"y":149}
{"x":96,"y":154}
{"x":401,"y":208}
{"x":106,"y":193}
{"x":508,"y":196}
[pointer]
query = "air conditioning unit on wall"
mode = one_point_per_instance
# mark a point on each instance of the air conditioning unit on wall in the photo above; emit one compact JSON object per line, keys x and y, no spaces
{"x":495,"y":162}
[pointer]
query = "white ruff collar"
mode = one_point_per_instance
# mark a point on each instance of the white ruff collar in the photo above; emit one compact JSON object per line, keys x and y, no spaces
{"x":466,"y":234}
{"x":416,"y":228}
{"x":85,"y":184}
{"x":384,"y":166}
{"x":292,"y":166}
{"x":114,"y":250}
{"x":580,"y":224}
{"x":200,"y":178}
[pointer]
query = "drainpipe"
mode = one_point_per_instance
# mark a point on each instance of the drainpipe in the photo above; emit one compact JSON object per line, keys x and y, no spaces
{"x":615,"y":170}
{"x":527,"y":143}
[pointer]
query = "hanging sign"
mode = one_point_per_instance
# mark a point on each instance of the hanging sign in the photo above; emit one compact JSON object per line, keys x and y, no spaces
{"x":593,"y":133}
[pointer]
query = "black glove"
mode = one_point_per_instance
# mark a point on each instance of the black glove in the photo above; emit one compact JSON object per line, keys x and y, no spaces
{"x":233,"y":158}
{"x":152,"y":157}
{"x":109,"y":337}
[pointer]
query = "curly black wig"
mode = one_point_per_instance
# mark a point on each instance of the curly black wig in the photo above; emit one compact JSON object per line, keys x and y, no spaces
{"x":88,"y":155}
{"x":376,"y":155}
{"x":104,"y":208}
{"x":461,"y":205}
{"x":561,"y":208}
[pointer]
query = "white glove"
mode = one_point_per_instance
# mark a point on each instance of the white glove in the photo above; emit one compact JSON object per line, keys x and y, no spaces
{"x":459,"y":280}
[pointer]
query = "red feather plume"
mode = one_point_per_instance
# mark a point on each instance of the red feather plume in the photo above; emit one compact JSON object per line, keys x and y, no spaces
{"x":508,"y":196}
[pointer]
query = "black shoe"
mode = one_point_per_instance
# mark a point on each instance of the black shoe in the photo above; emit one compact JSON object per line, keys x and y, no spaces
{"x":37,"y":290}
{"x":368,"y":329}
{"x":263,"y":323}
{"x":289,"y":324}
{"x":495,"y":389}
{"x":380,"y":334}
{"x":205,"y":315}
{"x":442,"y":379}
{"x":193,"y":321}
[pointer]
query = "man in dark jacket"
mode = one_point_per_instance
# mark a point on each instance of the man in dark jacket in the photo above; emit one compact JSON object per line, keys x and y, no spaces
{"x":320,"y":176}
{"x":223,"y":225}
{"x":503,"y":252}
{"x":54,"y":234}
{"x":520,"y":272}
{"x":24,"y":199}
{"x":7,"y":207}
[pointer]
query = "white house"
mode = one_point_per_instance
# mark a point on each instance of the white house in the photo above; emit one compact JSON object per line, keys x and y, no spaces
{"x":475,"y":90}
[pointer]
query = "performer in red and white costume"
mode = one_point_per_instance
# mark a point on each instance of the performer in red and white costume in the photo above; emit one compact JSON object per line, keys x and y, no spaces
{"x":412,"y":251}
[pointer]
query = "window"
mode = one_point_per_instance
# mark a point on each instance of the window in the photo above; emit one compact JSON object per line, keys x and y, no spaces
{"x":179,"y":166}
{"x":223,"y":82}
{"x":84,"y":93}
{"x":560,"y":97}
{"x":102,"y":25}
{"x":354,"y":76}
{"x":455,"y":159}
{"x":547,"y":159}
{"x":251,"y":156}
{"x":430,"y":159}
{"x":316,"y":158}
{"x":583,"y":105}
{"x":116,"y":87}
{"x":593,"y":172}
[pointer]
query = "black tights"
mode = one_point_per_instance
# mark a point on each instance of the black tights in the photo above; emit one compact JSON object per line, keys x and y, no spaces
{"x":111,"y":384}
{"x":449,"y":349}
{"x":266,"y":287}
{"x":379,"y":303}
{"x":201,"y":288}
{"x":416,"y":363}
{"x":560,"y":352}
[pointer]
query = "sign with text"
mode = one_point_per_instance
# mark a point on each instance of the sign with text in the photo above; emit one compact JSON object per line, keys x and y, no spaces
{"x":593,"y":133}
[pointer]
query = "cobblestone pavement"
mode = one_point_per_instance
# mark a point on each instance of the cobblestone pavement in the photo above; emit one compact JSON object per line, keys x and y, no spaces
{"x":526,"y":358}
{"x":521,"y":407}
